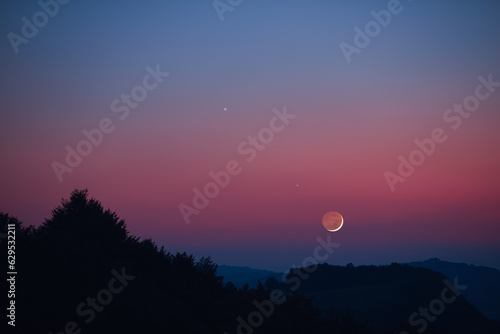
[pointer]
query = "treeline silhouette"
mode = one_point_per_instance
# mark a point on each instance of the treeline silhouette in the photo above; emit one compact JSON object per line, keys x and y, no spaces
{"x":82,"y":272}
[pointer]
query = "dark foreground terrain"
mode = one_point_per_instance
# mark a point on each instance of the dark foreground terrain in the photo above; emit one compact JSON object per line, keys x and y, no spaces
{"x":82,"y":272}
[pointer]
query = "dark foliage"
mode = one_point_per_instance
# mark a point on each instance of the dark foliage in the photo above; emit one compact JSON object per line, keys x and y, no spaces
{"x":71,"y":258}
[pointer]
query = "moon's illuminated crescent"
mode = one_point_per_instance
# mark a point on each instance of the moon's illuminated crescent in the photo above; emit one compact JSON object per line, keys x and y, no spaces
{"x":333,"y":221}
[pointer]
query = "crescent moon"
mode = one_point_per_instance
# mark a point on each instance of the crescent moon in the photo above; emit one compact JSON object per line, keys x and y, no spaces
{"x":333,"y":221}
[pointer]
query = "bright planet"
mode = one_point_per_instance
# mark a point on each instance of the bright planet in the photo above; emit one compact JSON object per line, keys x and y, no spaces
{"x":333,"y":221}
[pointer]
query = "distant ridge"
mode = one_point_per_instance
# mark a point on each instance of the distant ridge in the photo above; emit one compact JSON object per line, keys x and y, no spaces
{"x":240,"y":276}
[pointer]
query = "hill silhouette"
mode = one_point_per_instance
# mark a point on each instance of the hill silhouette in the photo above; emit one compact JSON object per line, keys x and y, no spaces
{"x":81,"y":271}
{"x":483,"y":291}
{"x":387,"y":296}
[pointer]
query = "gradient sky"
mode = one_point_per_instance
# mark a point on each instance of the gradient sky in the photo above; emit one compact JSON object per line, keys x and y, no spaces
{"x":353,"y":121}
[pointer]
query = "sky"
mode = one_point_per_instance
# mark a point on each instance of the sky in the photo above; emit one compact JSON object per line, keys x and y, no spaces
{"x":203,"y":78}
